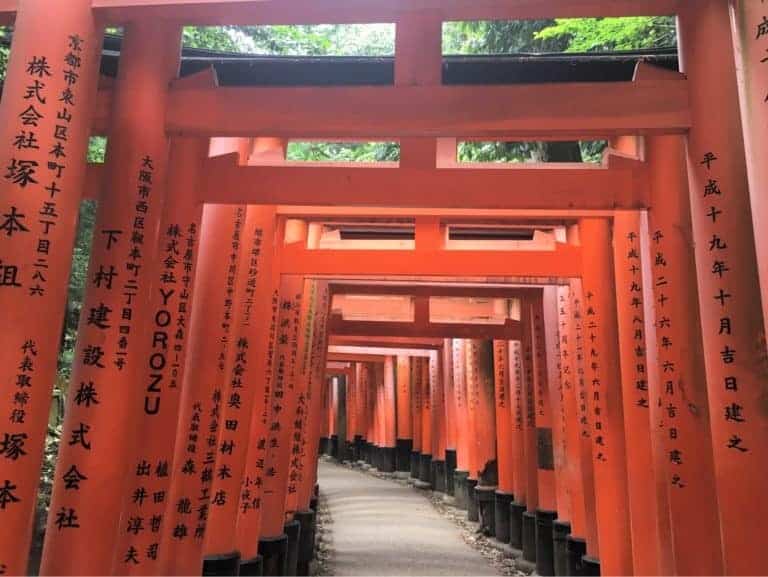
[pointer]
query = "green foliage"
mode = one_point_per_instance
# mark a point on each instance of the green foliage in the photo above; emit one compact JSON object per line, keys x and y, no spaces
{"x":499,"y":37}
{"x":344,"y":151}
{"x":314,"y":40}
{"x":607,"y":34}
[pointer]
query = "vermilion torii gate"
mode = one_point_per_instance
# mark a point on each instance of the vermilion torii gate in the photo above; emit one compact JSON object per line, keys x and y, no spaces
{"x":196,"y":403}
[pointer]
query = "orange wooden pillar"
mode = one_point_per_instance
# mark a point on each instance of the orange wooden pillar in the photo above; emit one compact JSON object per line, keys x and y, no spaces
{"x":628,"y":255}
{"x":450,"y":416}
{"x":352,"y":391}
{"x":361,"y":377}
{"x":173,"y":274}
{"x":404,"y":418}
{"x":751,"y":42}
{"x":333,"y":409}
{"x":733,"y":335}
{"x":530,"y":451}
{"x":294,"y":308}
{"x":584,"y":538}
{"x":519,"y":418}
{"x":425,"y":463}
{"x":380,"y":416}
{"x":389,"y":409}
{"x":256,"y":283}
{"x":183,"y":523}
{"x":99,"y":434}
{"x":571,"y":523}
{"x":437,"y":402}
{"x":559,"y":528}
{"x":416,"y":400}
{"x":686,"y":445}
{"x":56,"y":52}
{"x":480,"y":393}
{"x":505,"y":439}
{"x":463,"y":465}
{"x":319,"y":354}
{"x":604,"y":399}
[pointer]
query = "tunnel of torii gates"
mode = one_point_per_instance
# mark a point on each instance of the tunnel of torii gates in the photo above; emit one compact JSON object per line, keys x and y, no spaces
{"x":593,"y":380}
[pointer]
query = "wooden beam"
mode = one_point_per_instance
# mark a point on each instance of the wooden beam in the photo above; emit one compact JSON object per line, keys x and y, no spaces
{"x":620,"y":185}
{"x":584,"y":109}
{"x":202,"y":12}
{"x":430,"y":290}
{"x":564,"y":262}
{"x":387,"y":342}
{"x":377,"y":329}
{"x":348,"y":350}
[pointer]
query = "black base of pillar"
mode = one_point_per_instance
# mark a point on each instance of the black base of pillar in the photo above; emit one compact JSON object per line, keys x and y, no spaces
{"x":274,"y":553}
{"x":403,"y":450}
{"x":345,"y":450}
{"x":335,"y":446}
{"x":472,"y":513}
{"x":560,"y":532}
{"x":460,"y":488}
{"x":325,"y":446}
{"x":216,"y":565}
{"x":591,"y":566}
{"x":450,"y":467}
{"x":313,"y":504}
{"x":529,"y":536}
{"x":438,"y":476}
{"x":545,"y":548}
{"x":502,"y":502}
{"x":415,"y":464}
{"x":486,"y":509}
{"x":367,"y":453}
{"x":388,"y":458}
{"x":358,"y":448}
{"x":516,"y":512}
{"x":253,"y":567}
{"x":576,"y":549}
{"x":425,"y":469}
{"x":306,"y":540}
{"x":293,"y":530}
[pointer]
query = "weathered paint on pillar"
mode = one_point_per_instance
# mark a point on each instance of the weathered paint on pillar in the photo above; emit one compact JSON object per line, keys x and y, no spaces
{"x":173,"y":274}
{"x":604,"y":399}
{"x":56,"y":53}
{"x":294,"y":292}
{"x":505,"y":434}
{"x":627,"y":258}
{"x":544,"y":435}
{"x":99,"y":437}
{"x":256,"y":283}
{"x":750,"y":32}
{"x":733,"y":335}
{"x":404,"y":417}
{"x":688,"y":466}
{"x":184,"y":521}
{"x":460,"y":403}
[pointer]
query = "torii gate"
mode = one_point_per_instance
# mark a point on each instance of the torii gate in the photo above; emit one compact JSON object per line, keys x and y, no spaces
{"x":696,"y":173}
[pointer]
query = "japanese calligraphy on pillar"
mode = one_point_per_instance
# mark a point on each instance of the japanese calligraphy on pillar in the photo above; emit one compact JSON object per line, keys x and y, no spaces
{"x":593,"y":361}
{"x":577,"y":336}
{"x":733,"y":411}
{"x":37,"y":169}
{"x":564,"y":352}
{"x":637,"y":330}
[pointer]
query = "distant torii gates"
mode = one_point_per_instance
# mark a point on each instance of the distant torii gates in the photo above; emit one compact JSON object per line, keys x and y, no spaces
{"x":195,"y":406}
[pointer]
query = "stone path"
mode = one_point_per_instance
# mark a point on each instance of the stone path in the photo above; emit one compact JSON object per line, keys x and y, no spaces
{"x":383,"y":528}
